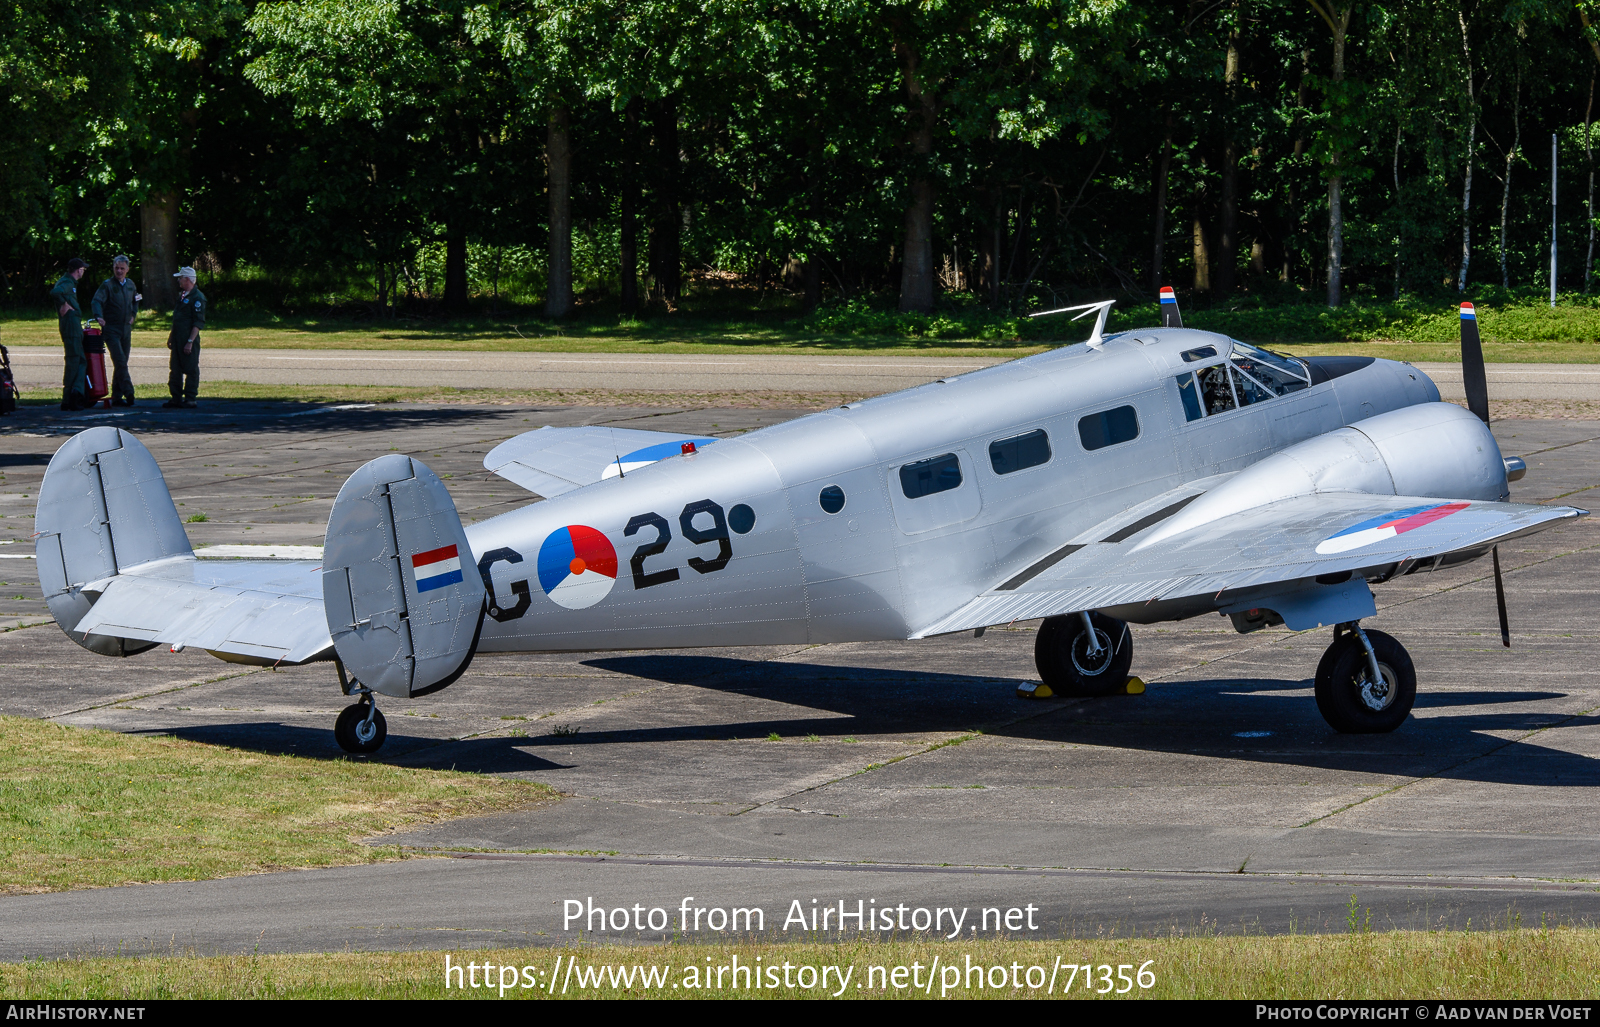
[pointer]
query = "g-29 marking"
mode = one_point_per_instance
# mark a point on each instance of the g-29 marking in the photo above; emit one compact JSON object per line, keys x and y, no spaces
{"x":717,"y":533}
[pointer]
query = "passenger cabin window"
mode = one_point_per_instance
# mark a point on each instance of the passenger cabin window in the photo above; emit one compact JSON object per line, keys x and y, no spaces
{"x":1019,"y":451}
{"x":1108,"y":428}
{"x":931,"y":476}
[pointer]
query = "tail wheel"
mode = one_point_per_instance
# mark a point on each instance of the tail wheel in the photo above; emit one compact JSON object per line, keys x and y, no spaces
{"x":356,"y":733}
{"x":1073,"y":665}
{"x":1349,"y":698}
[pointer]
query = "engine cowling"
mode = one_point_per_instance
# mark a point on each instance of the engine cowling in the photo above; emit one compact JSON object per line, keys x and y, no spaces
{"x":1432,"y":450}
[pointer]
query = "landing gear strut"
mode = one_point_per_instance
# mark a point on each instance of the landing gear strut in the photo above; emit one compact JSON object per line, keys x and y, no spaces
{"x":1083,"y":654}
{"x":360,"y":727}
{"x":1365,"y":682}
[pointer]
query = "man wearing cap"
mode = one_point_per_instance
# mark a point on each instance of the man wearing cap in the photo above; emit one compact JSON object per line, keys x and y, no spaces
{"x":115,"y":304}
{"x":188,"y":317}
{"x":74,"y":384}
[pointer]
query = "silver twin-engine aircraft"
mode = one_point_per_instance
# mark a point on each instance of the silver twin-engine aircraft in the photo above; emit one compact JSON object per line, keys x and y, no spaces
{"x":1145,"y":476}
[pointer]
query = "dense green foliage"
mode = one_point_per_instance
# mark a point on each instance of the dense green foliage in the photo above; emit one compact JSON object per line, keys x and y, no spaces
{"x":409,"y":153}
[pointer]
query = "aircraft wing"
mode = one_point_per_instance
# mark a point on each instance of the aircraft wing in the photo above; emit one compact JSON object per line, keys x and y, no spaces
{"x":260,"y":610}
{"x":1290,"y":543}
{"x":552,"y":461}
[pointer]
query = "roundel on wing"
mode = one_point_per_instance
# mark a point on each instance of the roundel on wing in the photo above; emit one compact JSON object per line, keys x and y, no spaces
{"x":577,"y":566}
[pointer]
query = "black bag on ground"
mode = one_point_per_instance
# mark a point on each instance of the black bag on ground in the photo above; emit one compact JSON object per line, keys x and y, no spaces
{"x":8,"y":385}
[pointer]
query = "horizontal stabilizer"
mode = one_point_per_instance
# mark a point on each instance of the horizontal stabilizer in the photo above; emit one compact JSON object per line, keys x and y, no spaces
{"x":255,"y":612}
{"x":553,"y":461}
{"x":1285,"y":543}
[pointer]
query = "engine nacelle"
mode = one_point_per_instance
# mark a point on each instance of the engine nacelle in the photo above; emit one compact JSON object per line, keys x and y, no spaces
{"x":1432,"y":451}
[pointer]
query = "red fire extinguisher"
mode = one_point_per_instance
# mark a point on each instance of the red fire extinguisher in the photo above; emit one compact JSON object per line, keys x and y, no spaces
{"x":94,"y":354}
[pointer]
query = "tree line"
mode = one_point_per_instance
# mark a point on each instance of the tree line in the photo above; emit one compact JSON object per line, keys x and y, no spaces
{"x":971,"y":151}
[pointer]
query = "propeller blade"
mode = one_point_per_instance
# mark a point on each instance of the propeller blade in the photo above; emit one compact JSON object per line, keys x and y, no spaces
{"x":1473,"y":376}
{"x":1500,"y":598}
{"x":1170,"y":318}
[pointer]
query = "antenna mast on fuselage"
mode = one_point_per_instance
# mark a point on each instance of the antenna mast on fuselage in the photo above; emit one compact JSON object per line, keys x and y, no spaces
{"x":1104,"y":307}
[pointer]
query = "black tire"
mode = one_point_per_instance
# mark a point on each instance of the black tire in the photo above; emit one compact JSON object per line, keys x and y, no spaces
{"x":351,"y":726}
{"x":1344,"y":697}
{"x":1060,"y":654}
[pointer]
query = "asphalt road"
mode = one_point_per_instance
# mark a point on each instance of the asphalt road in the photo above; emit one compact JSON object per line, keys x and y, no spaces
{"x":1217,"y":800}
{"x":40,"y":367}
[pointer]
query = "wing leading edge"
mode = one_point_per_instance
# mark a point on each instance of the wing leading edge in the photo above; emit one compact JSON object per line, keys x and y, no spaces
{"x":1277,"y":549}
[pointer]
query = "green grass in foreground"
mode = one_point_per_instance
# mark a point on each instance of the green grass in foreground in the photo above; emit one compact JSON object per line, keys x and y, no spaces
{"x":1508,"y":964}
{"x":1515,"y":329}
{"x":81,"y":808}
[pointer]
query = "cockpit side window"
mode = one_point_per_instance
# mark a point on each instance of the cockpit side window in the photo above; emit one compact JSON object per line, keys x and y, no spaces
{"x":1216,"y":393}
{"x":1190,"y":394}
{"x":1248,"y":389}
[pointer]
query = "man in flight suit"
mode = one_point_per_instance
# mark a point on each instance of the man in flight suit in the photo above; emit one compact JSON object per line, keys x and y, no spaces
{"x":74,"y":386}
{"x":188,"y":317}
{"x":115,"y":304}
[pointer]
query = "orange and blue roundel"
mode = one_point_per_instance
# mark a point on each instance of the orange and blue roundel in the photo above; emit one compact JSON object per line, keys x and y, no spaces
{"x":1387,"y":526}
{"x":577,"y":566}
{"x":436,"y":568}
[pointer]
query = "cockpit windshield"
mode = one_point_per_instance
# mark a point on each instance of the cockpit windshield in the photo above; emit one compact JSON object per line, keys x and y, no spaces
{"x":1278,"y":374}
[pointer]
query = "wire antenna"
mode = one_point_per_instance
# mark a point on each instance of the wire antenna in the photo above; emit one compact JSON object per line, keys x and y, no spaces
{"x":1104,"y":307}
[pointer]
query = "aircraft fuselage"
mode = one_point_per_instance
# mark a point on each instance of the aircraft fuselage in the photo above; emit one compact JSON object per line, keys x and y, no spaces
{"x":873,"y":520}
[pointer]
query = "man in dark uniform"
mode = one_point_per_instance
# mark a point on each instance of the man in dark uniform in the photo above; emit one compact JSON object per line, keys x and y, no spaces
{"x":188,"y":317}
{"x":115,"y":305}
{"x":74,"y":384}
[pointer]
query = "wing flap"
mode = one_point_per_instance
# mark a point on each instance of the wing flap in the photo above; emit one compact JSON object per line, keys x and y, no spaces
{"x":262,"y":610}
{"x":553,"y":461}
{"x":1284,"y":543}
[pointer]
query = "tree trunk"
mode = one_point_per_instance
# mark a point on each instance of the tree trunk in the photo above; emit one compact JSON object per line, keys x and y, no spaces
{"x":455,"y":265}
{"x":666,"y":231}
{"x":1228,"y":226}
{"x":158,"y":219}
{"x":917,"y":272}
{"x":558,"y":156}
{"x":1202,"y":259}
{"x":1399,"y":243}
{"x":1466,"y":189}
{"x":1336,"y":175}
{"x":1162,"y":170}
{"x":1588,"y":152}
{"x":628,"y":245}
{"x":1511,"y":156}
{"x":1290,"y":241}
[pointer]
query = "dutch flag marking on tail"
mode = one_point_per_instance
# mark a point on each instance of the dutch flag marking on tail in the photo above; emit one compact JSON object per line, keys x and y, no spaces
{"x":1468,"y":313}
{"x":1167,"y":295}
{"x":436,"y":568}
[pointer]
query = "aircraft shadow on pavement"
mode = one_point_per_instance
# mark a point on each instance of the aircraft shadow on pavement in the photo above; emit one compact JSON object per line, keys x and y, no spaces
{"x":265,"y":416}
{"x":1209,"y":717}
{"x":496,"y":755}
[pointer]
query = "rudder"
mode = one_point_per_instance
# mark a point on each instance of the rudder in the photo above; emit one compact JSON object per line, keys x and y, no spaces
{"x":403,"y":606}
{"x":103,"y":508}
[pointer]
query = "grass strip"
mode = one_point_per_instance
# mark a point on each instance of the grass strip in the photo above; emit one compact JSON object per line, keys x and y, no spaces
{"x":82,"y":808}
{"x":1515,"y":329}
{"x":1557,"y":963}
{"x":731,"y":399}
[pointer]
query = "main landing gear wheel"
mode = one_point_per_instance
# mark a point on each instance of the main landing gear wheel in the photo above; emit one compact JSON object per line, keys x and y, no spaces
{"x":360,"y":728}
{"x":1071,"y":661}
{"x":1350,"y":698}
